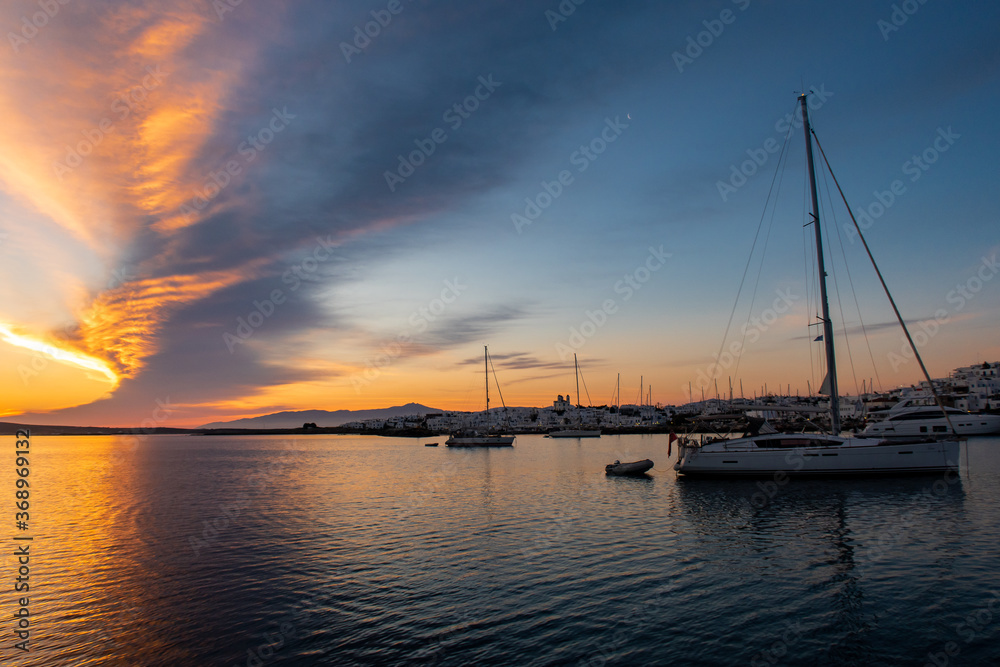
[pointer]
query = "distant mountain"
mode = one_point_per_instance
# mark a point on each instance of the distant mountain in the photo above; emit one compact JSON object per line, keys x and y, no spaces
{"x":322,"y":417}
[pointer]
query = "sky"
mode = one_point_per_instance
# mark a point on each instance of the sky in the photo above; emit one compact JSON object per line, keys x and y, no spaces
{"x":219,"y":209}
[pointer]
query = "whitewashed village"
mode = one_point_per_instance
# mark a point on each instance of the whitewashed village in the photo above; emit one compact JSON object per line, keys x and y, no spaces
{"x":974,"y":389}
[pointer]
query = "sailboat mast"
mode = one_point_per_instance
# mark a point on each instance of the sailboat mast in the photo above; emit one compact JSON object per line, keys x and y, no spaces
{"x":831,"y":362}
{"x":486,"y":374}
{"x":576,"y":369}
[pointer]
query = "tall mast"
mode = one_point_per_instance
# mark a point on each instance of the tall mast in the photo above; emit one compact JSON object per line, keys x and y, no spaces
{"x":486,"y":367}
{"x":831,"y":362}
{"x":576,"y":369}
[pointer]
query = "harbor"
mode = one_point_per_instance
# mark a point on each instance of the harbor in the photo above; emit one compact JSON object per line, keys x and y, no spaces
{"x":973,"y":389}
{"x":545,"y":334}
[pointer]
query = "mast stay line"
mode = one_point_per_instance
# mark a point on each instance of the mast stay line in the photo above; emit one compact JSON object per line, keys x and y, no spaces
{"x":885,"y":287}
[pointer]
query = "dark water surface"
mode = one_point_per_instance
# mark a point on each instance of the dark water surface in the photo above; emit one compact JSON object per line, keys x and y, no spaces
{"x":179,"y":550}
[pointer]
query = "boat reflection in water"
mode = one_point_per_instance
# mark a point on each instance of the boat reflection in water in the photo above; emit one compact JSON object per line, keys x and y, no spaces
{"x":851,"y":546}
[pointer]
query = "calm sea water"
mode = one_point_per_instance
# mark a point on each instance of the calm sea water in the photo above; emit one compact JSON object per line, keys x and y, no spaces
{"x":179,"y":550}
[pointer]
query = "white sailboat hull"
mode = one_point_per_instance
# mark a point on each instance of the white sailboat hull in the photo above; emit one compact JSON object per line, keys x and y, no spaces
{"x":471,"y":438}
{"x":816,"y":457}
{"x":480,"y":441}
{"x":576,"y":433}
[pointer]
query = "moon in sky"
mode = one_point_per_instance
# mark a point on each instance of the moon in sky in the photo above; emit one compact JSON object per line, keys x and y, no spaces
{"x":629,"y":116}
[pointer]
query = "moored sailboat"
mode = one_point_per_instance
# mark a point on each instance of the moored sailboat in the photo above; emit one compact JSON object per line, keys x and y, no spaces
{"x":757,"y":453}
{"x":472,"y":438}
{"x":580,"y":431}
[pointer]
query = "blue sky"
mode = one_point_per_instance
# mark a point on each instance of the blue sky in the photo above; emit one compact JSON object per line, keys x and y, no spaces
{"x":318,"y":188}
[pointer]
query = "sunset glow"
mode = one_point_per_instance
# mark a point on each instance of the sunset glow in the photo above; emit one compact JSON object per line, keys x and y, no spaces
{"x":231,"y":209}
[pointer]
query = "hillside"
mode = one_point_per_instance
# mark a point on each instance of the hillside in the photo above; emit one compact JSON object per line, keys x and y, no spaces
{"x":295,"y":419}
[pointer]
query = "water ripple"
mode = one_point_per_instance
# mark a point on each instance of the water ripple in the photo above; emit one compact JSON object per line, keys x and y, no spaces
{"x":369,"y":551}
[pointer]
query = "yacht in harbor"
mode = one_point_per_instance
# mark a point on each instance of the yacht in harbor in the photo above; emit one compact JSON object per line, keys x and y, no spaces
{"x":580,"y":430}
{"x":762,"y":452}
{"x":911,"y":418}
{"x":472,"y":438}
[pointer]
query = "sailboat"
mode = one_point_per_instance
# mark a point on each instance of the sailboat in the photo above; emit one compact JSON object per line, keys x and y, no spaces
{"x":471,"y":438}
{"x":762,"y":451}
{"x":580,"y":432}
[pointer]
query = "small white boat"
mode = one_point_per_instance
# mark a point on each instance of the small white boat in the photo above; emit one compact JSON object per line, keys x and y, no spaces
{"x":634,"y":468}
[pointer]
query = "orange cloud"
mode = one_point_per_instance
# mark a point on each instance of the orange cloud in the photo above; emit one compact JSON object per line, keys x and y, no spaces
{"x":123,"y":323}
{"x":100,"y":137}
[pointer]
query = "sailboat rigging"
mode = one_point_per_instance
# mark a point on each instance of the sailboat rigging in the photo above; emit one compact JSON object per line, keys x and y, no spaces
{"x":581,"y":431}
{"x":762,"y":451}
{"x":472,"y":438}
